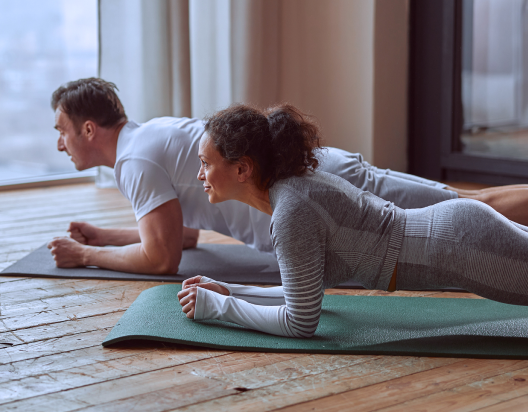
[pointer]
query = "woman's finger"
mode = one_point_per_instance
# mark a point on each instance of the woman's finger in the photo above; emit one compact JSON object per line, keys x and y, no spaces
{"x":188,"y":307}
{"x":188,"y":296}
{"x":191,"y":281}
{"x":183,"y":297}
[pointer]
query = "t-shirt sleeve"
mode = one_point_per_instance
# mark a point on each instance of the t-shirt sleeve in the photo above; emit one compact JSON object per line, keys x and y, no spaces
{"x":145,"y":184}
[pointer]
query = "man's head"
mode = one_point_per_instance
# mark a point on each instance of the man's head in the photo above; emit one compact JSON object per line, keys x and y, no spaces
{"x":85,"y":109}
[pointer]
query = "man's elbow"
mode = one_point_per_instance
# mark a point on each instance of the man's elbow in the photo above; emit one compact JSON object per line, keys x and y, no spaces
{"x":165,"y":266}
{"x":169,"y":267}
{"x":190,"y":243}
{"x":190,"y":238}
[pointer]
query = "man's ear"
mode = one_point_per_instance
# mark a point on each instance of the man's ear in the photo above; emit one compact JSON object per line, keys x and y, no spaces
{"x":88,"y":129}
{"x":245,"y":169}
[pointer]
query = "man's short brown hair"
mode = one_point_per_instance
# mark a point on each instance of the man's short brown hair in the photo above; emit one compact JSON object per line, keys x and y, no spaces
{"x":89,"y":99}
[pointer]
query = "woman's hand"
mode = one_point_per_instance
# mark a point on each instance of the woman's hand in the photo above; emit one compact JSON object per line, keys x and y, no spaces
{"x":187,"y":283}
{"x":187,"y":296}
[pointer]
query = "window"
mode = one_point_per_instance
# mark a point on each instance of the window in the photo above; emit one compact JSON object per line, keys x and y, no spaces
{"x":468,"y":90}
{"x":495,"y":78}
{"x":43,"y":44}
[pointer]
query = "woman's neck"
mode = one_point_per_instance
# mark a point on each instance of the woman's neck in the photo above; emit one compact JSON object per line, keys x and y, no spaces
{"x":257,"y":198}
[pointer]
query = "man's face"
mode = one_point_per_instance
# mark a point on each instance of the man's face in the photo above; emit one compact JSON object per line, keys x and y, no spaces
{"x":70,"y":141}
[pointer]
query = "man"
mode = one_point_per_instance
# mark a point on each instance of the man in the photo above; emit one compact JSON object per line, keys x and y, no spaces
{"x":156,"y":164}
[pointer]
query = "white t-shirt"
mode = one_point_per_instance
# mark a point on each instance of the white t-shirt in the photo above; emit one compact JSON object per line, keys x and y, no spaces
{"x":157,"y":161}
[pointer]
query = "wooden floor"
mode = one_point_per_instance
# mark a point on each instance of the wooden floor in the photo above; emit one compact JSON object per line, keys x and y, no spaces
{"x":51,"y":358}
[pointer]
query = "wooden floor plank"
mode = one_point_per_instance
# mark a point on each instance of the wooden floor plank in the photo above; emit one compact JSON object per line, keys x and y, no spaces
{"x":58,"y":290}
{"x":84,"y":381}
{"x":519,"y":404}
{"x":82,"y":306}
{"x":110,"y":390}
{"x":47,"y":347}
{"x":399,"y":390}
{"x":52,"y":331}
{"x":114,"y":291}
{"x":472,"y":396}
{"x":292,"y":391}
{"x":182,"y":395}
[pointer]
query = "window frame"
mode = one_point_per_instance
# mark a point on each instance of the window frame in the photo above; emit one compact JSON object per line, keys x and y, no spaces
{"x":435,"y":104}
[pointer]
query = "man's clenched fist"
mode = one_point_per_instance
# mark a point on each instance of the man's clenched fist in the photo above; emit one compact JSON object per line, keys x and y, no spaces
{"x":67,"y":252}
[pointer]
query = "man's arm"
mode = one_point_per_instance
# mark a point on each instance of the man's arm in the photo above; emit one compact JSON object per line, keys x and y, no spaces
{"x":88,"y":234}
{"x":159,"y":250}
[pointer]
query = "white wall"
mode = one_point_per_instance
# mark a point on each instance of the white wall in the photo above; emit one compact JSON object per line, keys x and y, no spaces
{"x":345,"y":61}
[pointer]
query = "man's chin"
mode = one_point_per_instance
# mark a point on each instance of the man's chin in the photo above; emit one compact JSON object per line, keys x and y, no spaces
{"x":79,"y":167}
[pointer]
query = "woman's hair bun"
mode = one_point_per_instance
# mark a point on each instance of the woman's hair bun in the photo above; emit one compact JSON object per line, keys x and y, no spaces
{"x":280,"y":140}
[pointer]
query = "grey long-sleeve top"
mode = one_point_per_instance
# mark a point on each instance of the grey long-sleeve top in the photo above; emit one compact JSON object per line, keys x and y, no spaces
{"x":324,"y":231}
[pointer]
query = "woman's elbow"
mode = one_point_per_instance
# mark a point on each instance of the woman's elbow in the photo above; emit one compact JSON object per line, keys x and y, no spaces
{"x":303,"y":334}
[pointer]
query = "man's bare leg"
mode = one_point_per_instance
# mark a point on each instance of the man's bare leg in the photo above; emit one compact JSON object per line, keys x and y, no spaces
{"x":510,"y":201}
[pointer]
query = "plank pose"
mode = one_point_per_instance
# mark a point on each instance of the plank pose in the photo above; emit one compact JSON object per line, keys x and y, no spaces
{"x":155,"y":165}
{"x":325,"y":230}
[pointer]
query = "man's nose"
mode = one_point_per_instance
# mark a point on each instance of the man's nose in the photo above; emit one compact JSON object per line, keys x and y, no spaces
{"x":60,"y":145}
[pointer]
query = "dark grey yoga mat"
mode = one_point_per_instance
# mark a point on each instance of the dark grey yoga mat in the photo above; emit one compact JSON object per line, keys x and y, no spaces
{"x":227,"y":263}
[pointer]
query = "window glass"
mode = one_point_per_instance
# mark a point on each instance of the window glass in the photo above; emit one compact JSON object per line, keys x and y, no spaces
{"x":43,"y":44}
{"x":495,"y":78}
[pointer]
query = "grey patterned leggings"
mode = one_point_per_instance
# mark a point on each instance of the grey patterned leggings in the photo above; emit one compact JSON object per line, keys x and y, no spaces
{"x":464,"y":243}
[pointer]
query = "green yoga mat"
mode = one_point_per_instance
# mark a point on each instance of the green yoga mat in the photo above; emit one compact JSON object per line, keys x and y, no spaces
{"x":384,"y":325}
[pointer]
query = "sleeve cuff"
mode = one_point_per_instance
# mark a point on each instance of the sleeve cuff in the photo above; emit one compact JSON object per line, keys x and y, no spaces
{"x":199,"y":307}
{"x":205,"y":279}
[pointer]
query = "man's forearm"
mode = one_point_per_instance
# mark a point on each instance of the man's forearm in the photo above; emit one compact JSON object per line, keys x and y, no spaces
{"x":120,"y":237}
{"x":130,"y":236}
{"x":132,"y":259}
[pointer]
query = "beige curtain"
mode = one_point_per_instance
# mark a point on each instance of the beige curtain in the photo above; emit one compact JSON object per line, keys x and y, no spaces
{"x":235,"y":48}
{"x":188,"y":57}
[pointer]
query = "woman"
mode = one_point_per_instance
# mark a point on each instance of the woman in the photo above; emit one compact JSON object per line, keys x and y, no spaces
{"x":325,"y":230}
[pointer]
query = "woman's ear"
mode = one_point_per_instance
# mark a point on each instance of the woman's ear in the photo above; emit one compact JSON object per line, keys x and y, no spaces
{"x":245,"y":169}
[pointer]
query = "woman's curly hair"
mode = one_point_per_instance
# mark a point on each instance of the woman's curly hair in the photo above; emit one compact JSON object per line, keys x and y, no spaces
{"x":280,"y":140}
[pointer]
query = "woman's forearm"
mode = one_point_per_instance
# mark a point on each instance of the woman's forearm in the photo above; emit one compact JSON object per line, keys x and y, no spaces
{"x":257,"y":295}
{"x":268,"y":319}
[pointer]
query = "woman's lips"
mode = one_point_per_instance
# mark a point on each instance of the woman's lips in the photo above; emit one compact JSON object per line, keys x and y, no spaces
{"x":206,"y":188}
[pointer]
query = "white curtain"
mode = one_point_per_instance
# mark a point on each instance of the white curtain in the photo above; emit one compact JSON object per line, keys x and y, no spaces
{"x":188,"y":57}
{"x":493,"y":82}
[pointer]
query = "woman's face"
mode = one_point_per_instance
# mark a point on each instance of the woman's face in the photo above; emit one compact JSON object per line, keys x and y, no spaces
{"x":219,"y":177}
